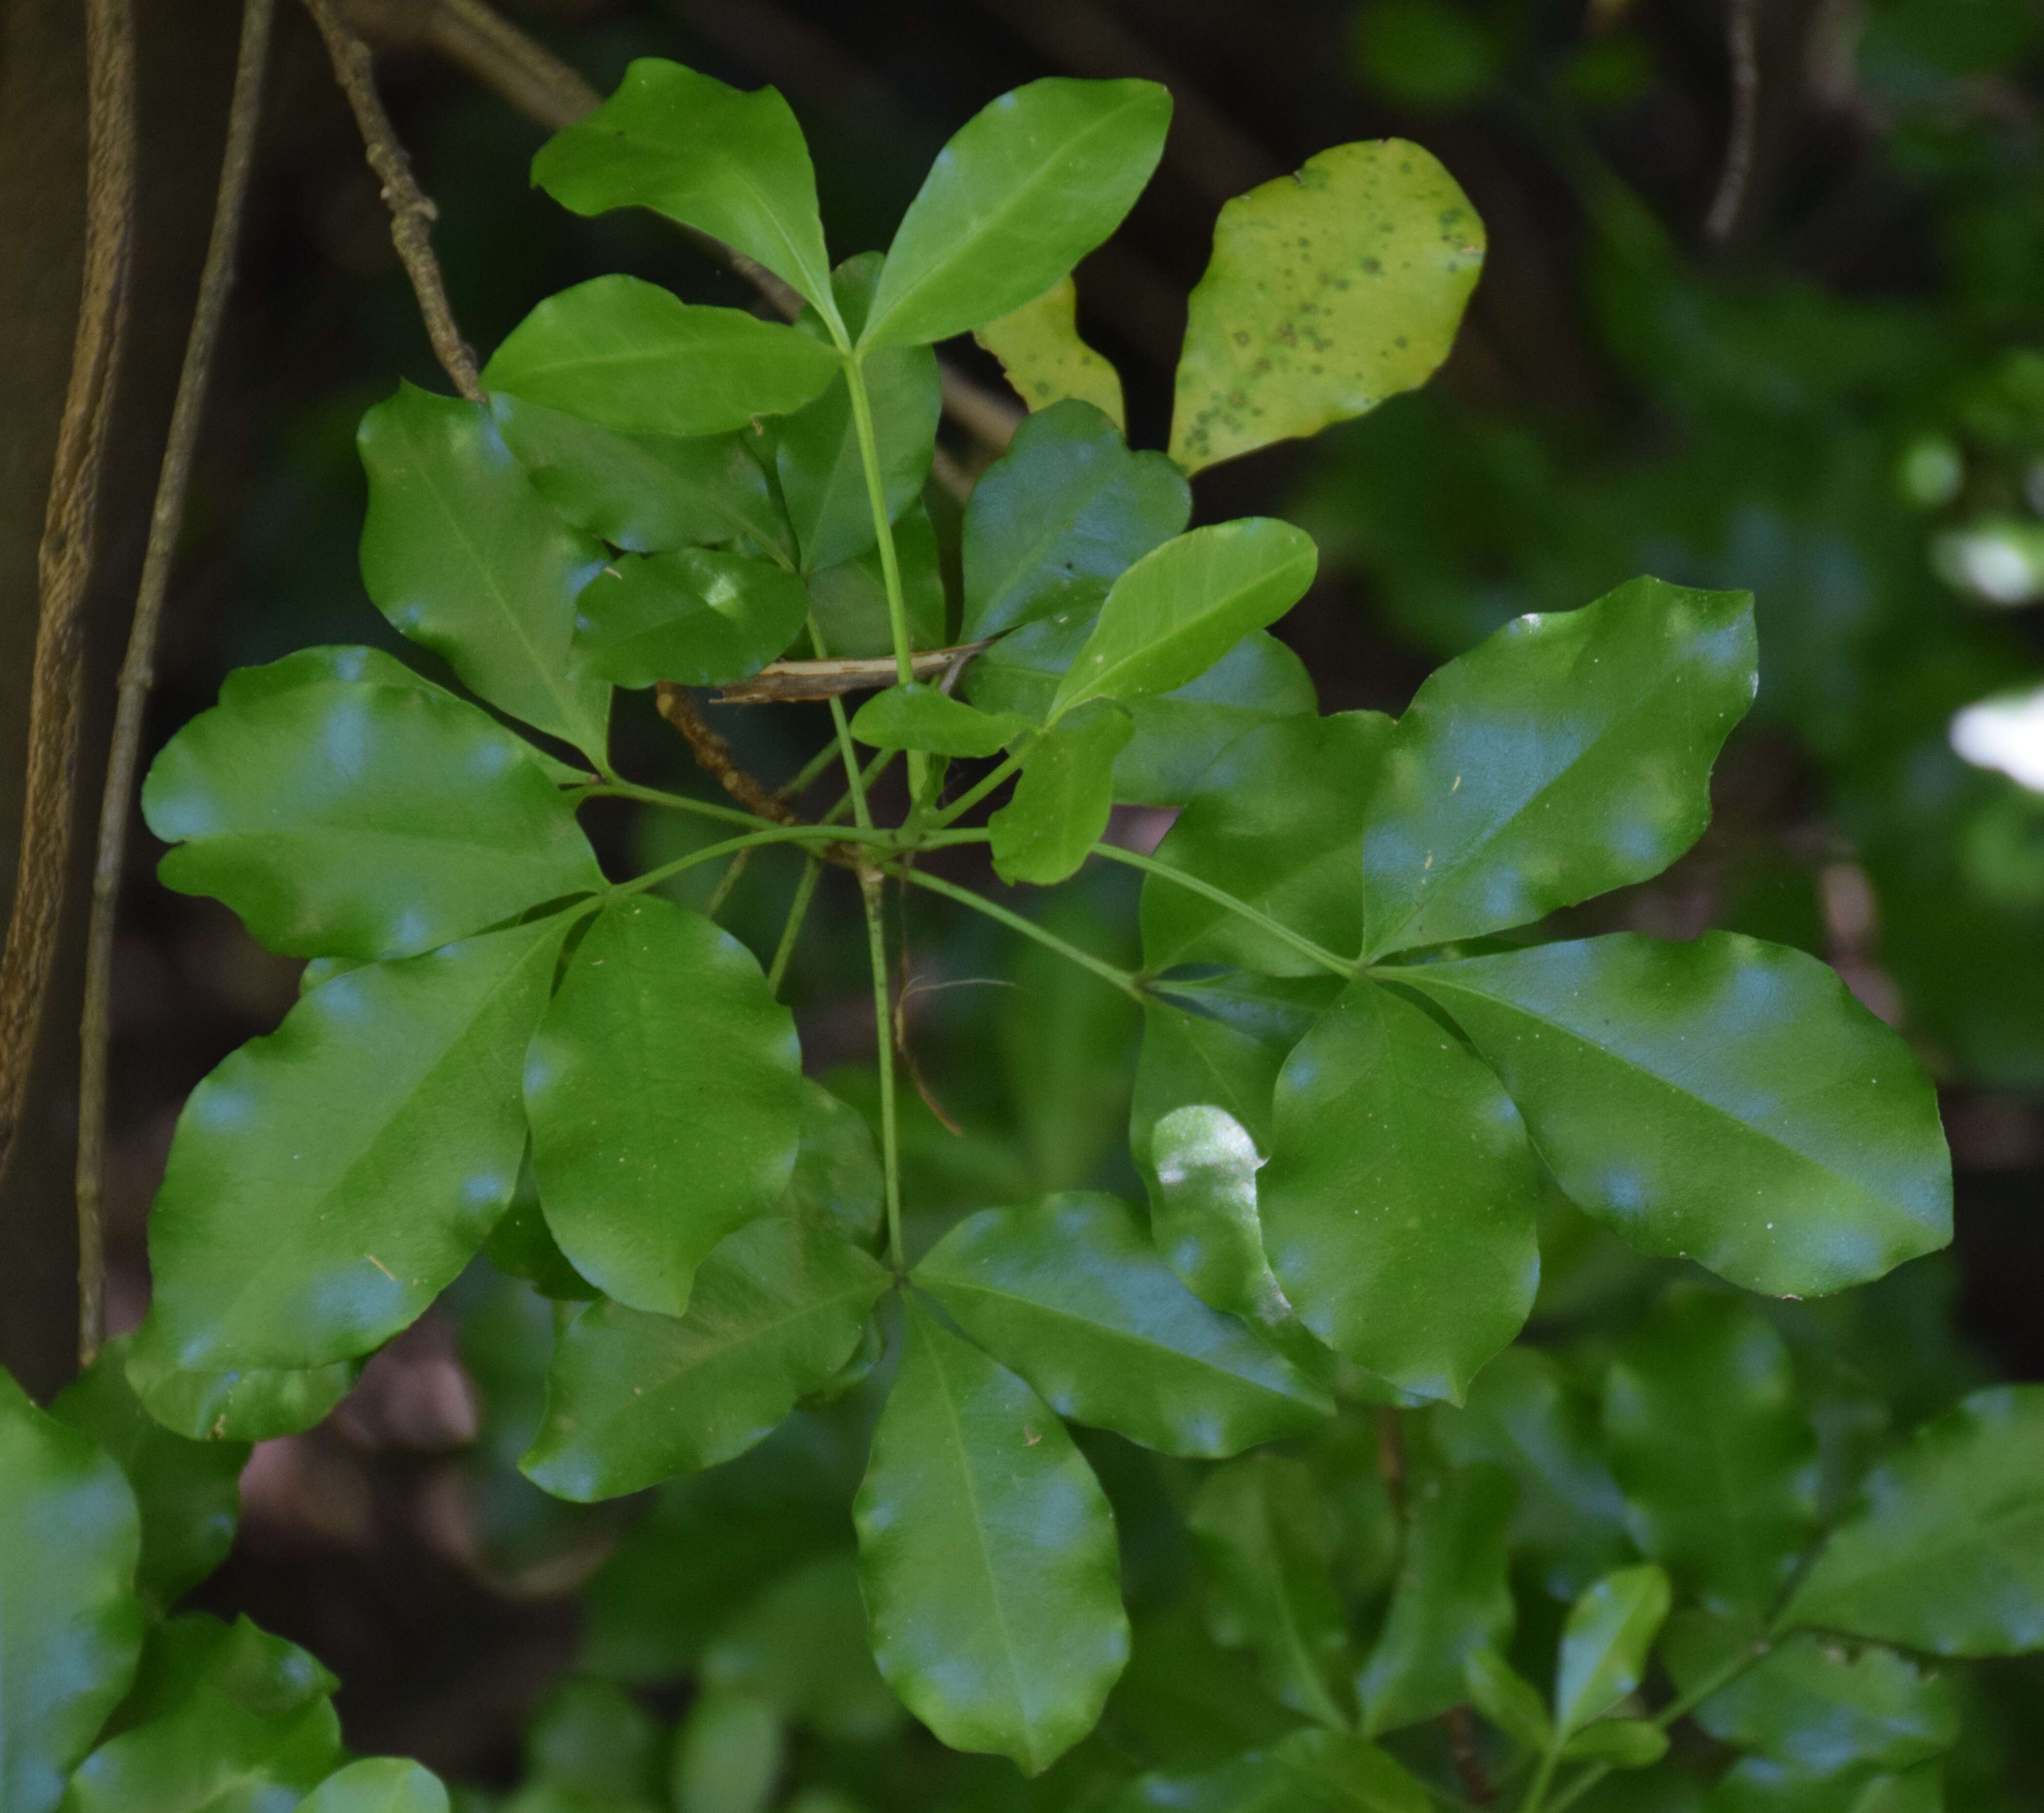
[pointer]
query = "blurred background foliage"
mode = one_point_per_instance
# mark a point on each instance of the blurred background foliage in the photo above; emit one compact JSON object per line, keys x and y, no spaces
{"x":1816,"y":370}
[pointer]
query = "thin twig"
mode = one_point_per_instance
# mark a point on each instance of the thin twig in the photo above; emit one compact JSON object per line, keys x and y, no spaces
{"x":713,"y":753}
{"x":412,"y":212}
{"x":138,"y":669}
{"x":1462,"y":1753}
{"x":1732,"y":180}
{"x":64,"y":560}
{"x":786,"y":681}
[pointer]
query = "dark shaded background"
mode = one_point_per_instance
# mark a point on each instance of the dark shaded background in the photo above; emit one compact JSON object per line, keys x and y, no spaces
{"x":1627,"y":395}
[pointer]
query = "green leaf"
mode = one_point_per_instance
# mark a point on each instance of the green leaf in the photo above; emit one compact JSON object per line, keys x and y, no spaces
{"x":348,"y":818}
{"x":1026,"y":188}
{"x":987,"y":1557}
{"x":1398,"y":1206}
{"x":1070,"y":1293}
{"x":463,"y":556}
{"x":1263,"y":1527}
{"x":1715,"y":1457}
{"x":1567,"y":755}
{"x":1202,"y":1165}
{"x":816,"y":450}
{"x":521,"y":1245}
{"x":918,"y":715}
{"x":1945,"y":1550}
{"x":1723,"y":1101}
{"x":1508,"y":1699}
{"x":1064,"y":513}
{"x":1342,"y":1774}
{"x":628,"y":355}
{"x":837,"y":1183}
{"x":728,"y":163}
{"x":71,"y":1627}
{"x":634,"y":1399}
{"x":1182,"y":606}
{"x":648,"y":493}
{"x":801,"y":1647}
{"x":309,"y":666}
{"x":663,"y":1089}
{"x":1523,"y":1414}
{"x":379,"y":1784}
{"x":1178,"y":734}
{"x":728,"y":1754}
{"x":1812,"y":1703}
{"x":1043,"y":357}
{"x":240,"y":1404}
{"x":1277,"y":821}
{"x":850,"y":598}
{"x":1059,"y":808}
{"x":592,"y":1737}
{"x":326,"y":1183}
{"x":1605,"y":1643}
{"x":1623,"y":1743}
{"x":698,"y":616}
{"x":1329,"y":290}
{"x":1452,"y":1599}
{"x":221,"y":1720}
{"x":1757,"y":1785}
{"x":188,"y":1492}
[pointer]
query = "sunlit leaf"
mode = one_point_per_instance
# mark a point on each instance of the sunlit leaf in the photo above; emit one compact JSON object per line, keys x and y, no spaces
{"x":1045,"y":360}
{"x":379,"y":1784}
{"x":696,"y":617}
{"x":1605,"y":1642}
{"x":1060,"y":805}
{"x":1329,"y":290}
{"x":918,"y":715}
{"x":1026,"y":188}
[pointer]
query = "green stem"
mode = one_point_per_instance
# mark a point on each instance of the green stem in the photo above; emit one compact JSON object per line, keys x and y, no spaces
{"x":811,"y":770}
{"x":725,"y":883}
{"x":616,"y":790}
{"x":1719,"y":1677}
{"x":883,"y":1018}
{"x":798,"y":910}
{"x":1242,"y":909}
{"x":883,"y":531}
{"x":1536,"y":1792}
{"x":1106,"y":971}
{"x":973,"y":795}
{"x":731,"y":846}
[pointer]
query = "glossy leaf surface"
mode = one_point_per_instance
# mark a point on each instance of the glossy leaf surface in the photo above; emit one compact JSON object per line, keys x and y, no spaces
{"x":240,"y":1404}
{"x":1277,"y":821}
{"x":987,"y":1557}
{"x":634,"y":1399}
{"x":379,"y":1784}
{"x":837,"y":1182}
{"x":71,"y":1627}
{"x":1945,"y":1550}
{"x":1061,"y":803}
{"x":1061,"y":515}
{"x":328,"y":1181}
{"x":1755,"y":1784}
{"x":1567,"y":755}
{"x":1071,"y":1294}
{"x":1179,"y":733}
{"x":1329,"y":290}
{"x":1398,"y":1206}
{"x":1202,"y":1209}
{"x":1043,"y":357}
{"x":1605,"y":1642}
{"x":1180,"y":608}
{"x":656,"y":1132}
{"x":850,"y":598}
{"x":1724,"y":1100}
{"x":187,"y":1492}
{"x":698,"y":616}
{"x":1715,"y":1456}
{"x":629,"y":355}
{"x":1452,"y":1599}
{"x":728,"y":162}
{"x":347,"y":818}
{"x":816,"y":450}
{"x":1264,"y":1531}
{"x":1812,"y":1703}
{"x":1026,"y":188}
{"x":462,"y":554}
{"x":647,"y":493}
{"x":918,"y":715}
